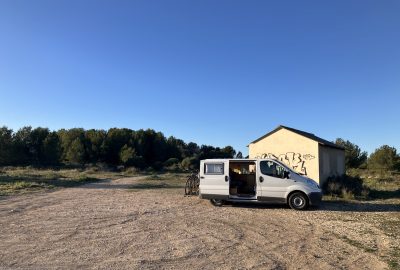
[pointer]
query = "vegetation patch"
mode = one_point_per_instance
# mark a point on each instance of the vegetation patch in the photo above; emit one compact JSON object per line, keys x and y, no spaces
{"x":346,"y":186}
{"x":161,"y":181}
{"x":391,"y":227}
{"x":394,"y":259}
{"x":359,"y":244}
{"x":363,"y":184}
{"x":117,"y":148}
{"x":20,"y":180}
{"x":356,"y":243}
{"x":146,"y":185}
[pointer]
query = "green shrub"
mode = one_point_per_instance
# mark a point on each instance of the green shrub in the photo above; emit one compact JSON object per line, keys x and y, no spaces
{"x":347,"y":194}
{"x":132,"y":170}
{"x":345,"y":186}
{"x":158,"y":165}
{"x":190,"y":163}
{"x":173,"y":168}
{"x":171,"y":161}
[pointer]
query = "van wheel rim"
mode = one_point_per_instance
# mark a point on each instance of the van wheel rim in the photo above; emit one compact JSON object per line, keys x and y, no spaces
{"x":298,"y":201}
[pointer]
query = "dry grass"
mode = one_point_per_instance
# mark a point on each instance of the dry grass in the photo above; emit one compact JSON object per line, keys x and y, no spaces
{"x":161,"y":181}
{"x":21,"y":180}
{"x":364,"y":185}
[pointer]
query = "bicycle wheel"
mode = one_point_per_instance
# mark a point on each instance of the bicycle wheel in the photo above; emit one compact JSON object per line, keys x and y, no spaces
{"x":196,"y":186}
{"x":191,"y":184}
{"x":187,"y":187}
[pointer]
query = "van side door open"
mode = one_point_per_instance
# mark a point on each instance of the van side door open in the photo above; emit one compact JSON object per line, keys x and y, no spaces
{"x":272,"y":185}
{"x":242,"y":179}
{"x":214,"y":179}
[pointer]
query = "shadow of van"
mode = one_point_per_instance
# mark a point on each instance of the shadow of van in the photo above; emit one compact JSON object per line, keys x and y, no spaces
{"x":329,"y":206}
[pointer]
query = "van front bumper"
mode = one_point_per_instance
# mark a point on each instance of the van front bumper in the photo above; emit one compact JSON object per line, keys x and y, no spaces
{"x":315,"y":198}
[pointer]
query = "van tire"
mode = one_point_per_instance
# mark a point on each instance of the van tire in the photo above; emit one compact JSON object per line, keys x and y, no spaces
{"x":298,"y":201}
{"x":217,"y":202}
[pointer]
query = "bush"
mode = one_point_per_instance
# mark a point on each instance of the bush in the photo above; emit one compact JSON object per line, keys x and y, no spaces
{"x":158,"y":165}
{"x":190,"y":163}
{"x":345,"y":186}
{"x":173,"y":168}
{"x":132,"y":170}
{"x":127,"y":155}
{"x":384,"y":158}
{"x":347,"y":195}
{"x":171,"y":161}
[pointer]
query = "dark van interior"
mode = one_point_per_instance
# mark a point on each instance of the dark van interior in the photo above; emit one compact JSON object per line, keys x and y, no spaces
{"x":242,"y":176}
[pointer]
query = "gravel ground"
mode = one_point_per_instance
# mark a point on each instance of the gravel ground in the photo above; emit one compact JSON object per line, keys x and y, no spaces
{"x":106,"y":225}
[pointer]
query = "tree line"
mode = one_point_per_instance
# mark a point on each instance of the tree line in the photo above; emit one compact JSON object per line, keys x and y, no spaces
{"x":383,"y":158}
{"x":117,"y":146}
{"x":141,"y":149}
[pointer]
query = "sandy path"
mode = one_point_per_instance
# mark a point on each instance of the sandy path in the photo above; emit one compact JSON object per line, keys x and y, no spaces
{"x":105,"y":226}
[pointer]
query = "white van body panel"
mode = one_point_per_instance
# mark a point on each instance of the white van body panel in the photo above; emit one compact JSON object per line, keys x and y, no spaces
{"x":215,"y":183}
{"x":272,"y":187}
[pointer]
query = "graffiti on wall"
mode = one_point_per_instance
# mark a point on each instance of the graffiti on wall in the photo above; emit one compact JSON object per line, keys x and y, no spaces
{"x":296,"y":161}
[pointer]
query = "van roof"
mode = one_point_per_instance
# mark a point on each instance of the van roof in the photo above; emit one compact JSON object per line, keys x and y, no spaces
{"x":231,"y":159}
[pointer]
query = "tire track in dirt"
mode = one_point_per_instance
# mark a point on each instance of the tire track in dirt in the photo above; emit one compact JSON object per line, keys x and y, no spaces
{"x":104,"y":226}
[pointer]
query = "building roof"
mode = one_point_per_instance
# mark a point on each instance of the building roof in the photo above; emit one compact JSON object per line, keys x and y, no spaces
{"x":304,"y":134}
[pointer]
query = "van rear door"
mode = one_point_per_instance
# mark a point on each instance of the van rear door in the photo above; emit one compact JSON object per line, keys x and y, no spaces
{"x":214,"y":179}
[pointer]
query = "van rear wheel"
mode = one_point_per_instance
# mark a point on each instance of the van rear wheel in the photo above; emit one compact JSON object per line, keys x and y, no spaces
{"x":298,"y":201}
{"x":217,"y":202}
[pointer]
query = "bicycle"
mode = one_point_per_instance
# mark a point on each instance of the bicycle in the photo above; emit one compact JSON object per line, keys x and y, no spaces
{"x":192,"y":184}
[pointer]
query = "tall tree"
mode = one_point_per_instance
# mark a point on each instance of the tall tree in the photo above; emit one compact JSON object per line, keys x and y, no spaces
{"x":228,"y":152}
{"x":94,"y":144}
{"x":127,"y":155}
{"x":76,"y":152}
{"x":51,"y":149}
{"x":384,"y":158}
{"x":239,"y":155}
{"x":22,"y":146}
{"x":175,"y":148}
{"x":36,"y":149}
{"x":115,"y":139}
{"x":354,"y":157}
{"x":6,"y":146}
{"x":67,"y":137}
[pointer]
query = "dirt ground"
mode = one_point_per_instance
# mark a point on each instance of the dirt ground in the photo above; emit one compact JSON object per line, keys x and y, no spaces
{"x":107,"y":225}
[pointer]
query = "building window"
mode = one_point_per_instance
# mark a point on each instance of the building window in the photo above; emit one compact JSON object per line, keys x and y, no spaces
{"x":214,"y":168}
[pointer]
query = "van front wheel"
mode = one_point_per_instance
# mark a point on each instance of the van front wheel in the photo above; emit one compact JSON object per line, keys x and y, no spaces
{"x":298,"y":201}
{"x":217,"y":202}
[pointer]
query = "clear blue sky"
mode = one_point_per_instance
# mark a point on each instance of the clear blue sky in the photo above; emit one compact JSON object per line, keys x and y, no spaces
{"x":212,"y":72}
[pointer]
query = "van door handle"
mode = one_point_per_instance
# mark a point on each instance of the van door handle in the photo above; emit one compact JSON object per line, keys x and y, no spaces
{"x":226,"y":178}
{"x":261,"y":179}
{"x":201,"y":177}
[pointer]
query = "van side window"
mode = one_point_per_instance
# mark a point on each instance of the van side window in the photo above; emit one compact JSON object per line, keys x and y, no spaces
{"x":214,"y":168}
{"x":270,"y":168}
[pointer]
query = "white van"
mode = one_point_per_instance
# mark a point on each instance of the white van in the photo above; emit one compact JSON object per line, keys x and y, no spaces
{"x":256,"y":180}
